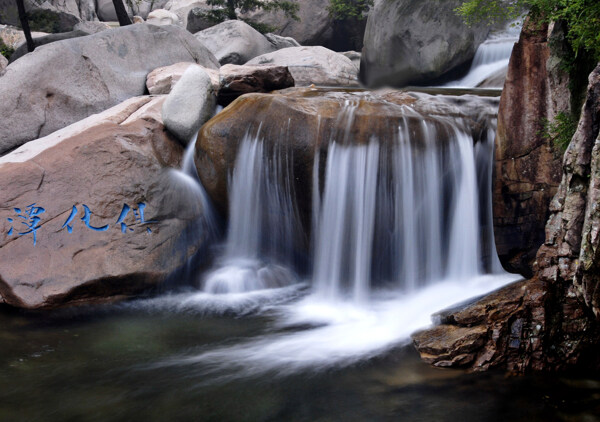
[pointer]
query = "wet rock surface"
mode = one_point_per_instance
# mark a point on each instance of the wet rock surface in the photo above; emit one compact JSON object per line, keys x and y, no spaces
{"x":312,"y":115}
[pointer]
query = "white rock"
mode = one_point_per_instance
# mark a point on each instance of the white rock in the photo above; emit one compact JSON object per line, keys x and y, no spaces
{"x":162,"y":17}
{"x":190,"y":104}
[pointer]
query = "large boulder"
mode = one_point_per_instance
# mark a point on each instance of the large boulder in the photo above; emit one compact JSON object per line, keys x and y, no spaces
{"x":162,"y":80}
{"x":409,"y":42}
{"x":81,"y":180}
{"x":49,"y":15}
{"x":47,"y":39}
{"x":66,"y":81}
{"x":527,"y":164}
{"x":190,"y":104}
{"x":191,"y":14}
{"x":302,"y":121}
{"x":234,"y":41}
{"x":314,"y":27}
{"x":313,"y":65}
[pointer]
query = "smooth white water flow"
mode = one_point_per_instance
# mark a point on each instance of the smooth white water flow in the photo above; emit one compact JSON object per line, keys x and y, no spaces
{"x":491,"y":59}
{"x":186,"y":186}
{"x":401,"y":228}
{"x":264,"y":227}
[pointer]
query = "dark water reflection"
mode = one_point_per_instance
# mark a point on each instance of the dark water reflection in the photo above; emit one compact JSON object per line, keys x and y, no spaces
{"x":99,"y":365}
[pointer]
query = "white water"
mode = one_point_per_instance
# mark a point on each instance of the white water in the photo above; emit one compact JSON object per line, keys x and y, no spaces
{"x":397,"y":238}
{"x":491,"y":58}
{"x":185,"y":186}
{"x":263,"y":228}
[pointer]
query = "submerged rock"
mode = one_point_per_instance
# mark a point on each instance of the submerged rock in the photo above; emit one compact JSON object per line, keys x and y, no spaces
{"x":95,"y":168}
{"x":313,"y":65}
{"x":68,"y":80}
{"x":408,"y":42}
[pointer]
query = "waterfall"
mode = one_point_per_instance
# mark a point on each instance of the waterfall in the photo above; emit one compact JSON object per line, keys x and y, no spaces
{"x":491,"y":59}
{"x":400,"y":227}
{"x":264,"y":230}
{"x":403,"y":214}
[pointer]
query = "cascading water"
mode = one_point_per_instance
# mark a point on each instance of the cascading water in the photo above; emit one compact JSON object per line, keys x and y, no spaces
{"x":400,"y":226}
{"x":491,"y":60}
{"x":263,"y":230}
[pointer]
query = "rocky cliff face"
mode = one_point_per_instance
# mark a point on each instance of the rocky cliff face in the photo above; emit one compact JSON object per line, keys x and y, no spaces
{"x":551,"y":322}
{"x":527,"y":168}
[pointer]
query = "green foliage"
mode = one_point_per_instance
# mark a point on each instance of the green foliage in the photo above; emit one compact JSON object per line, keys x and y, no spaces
{"x":349,"y":9}
{"x":5,"y":50}
{"x":226,"y":9}
{"x":561,"y":130}
{"x":582,"y":17}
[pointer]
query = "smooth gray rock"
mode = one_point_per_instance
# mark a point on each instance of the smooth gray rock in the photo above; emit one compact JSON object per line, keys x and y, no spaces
{"x":313,"y":65}
{"x":315,"y":27}
{"x":234,"y":42}
{"x":190,"y":13}
{"x":91,"y":27}
{"x":47,"y":39}
{"x":415,"y":41}
{"x":354,"y":56}
{"x":195,"y":21}
{"x":66,"y":81}
{"x":3,"y":64}
{"x":49,"y":15}
{"x":190,"y":104}
{"x":280,"y":42}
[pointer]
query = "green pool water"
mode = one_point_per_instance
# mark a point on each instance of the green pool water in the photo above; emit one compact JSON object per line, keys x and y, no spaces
{"x":104,"y":364}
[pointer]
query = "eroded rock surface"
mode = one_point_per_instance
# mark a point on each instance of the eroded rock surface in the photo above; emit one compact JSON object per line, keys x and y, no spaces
{"x":527,"y":168}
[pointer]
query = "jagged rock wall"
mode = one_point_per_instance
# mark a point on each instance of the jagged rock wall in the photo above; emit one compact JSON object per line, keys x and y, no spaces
{"x":551,"y":322}
{"x":527,"y":165}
